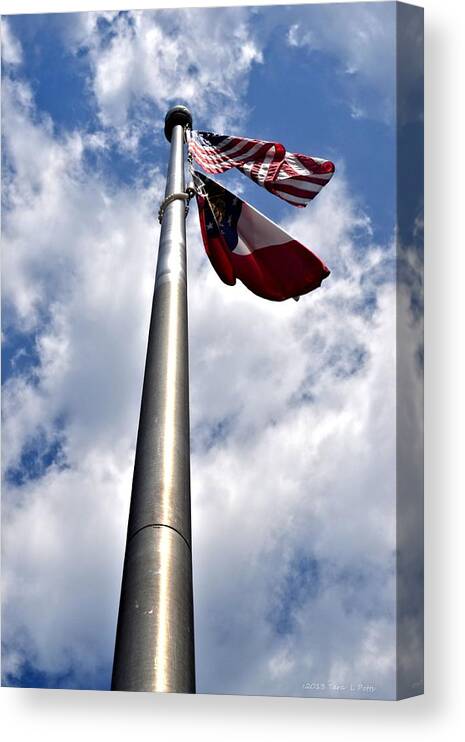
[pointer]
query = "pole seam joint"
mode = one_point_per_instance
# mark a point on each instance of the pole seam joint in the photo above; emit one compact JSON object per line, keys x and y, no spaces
{"x":159,"y":525}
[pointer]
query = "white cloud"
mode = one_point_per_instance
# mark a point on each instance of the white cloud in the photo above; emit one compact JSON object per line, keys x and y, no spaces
{"x":362,"y":38}
{"x":12,"y":52}
{"x":201,"y":57}
{"x":77,"y":275}
{"x":306,"y":473}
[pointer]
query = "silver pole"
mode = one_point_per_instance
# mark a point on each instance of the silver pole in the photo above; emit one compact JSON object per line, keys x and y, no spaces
{"x":155,"y":636}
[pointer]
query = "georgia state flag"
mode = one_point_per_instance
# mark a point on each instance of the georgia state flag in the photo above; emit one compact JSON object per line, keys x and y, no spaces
{"x":243,"y":243}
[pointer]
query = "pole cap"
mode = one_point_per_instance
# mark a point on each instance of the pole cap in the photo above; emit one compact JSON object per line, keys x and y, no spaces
{"x":177,"y":115}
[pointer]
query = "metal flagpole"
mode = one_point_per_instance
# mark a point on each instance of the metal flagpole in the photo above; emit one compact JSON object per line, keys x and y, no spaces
{"x":155,"y":636}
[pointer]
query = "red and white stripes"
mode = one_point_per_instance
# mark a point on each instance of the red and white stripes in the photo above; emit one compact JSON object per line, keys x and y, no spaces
{"x":293,"y":177}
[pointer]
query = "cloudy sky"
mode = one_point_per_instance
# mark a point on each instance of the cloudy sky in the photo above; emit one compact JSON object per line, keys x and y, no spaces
{"x":293,"y":415}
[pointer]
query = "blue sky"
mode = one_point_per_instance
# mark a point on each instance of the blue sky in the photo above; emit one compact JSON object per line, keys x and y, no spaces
{"x":294,"y":404}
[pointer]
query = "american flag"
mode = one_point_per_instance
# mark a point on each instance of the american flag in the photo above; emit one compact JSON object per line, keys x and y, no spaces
{"x":293,"y":177}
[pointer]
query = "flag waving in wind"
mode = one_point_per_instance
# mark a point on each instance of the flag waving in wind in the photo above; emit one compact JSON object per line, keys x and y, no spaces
{"x":243,"y":243}
{"x":293,"y":177}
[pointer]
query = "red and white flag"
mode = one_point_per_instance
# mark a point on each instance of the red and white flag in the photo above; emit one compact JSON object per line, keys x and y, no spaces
{"x":293,"y":177}
{"x":243,"y":243}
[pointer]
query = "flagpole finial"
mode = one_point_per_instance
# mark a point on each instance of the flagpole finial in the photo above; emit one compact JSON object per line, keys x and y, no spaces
{"x":177,"y":115}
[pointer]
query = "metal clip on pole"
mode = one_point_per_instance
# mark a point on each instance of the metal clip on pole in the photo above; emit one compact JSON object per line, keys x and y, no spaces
{"x":173,"y":197}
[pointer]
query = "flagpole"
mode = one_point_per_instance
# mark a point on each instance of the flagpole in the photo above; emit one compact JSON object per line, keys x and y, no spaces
{"x":154,"y":648}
